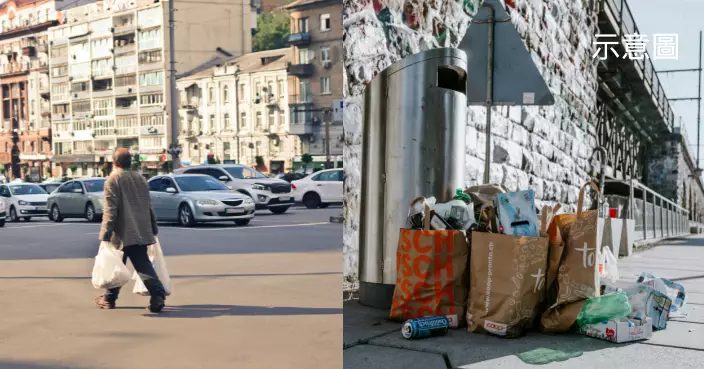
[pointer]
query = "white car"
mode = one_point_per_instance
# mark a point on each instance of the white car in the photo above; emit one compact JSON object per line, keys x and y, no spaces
{"x":319,"y":189}
{"x":3,"y":213}
{"x":23,"y":200}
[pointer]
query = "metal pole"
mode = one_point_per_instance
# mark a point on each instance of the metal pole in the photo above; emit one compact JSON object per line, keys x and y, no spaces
{"x":327,"y":143}
{"x":489,"y":92}
{"x":699,"y":96}
{"x":175,"y":162}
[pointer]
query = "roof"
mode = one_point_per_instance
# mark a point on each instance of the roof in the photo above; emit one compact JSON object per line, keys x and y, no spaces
{"x":309,"y":3}
{"x":249,"y":63}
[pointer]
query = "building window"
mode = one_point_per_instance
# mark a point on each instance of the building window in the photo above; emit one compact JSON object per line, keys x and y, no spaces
{"x":226,"y":150}
{"x":325,"y":85}
{"x":304,"y":88}
{"x":60,"y":92}
{"x":152,"y":120}
{"x":280,"y":87}
{"x":150,"y":17}
{"x":302,"y":25}
{"x":102,"y":68}
{"x":60,"y":71}
{"x":151,"y":79}
{"x":150,"y":57}
{"x":324,"y":22}
{"x":211,"y":94}
{"x":243,"y":120}
{"x":61,"y":109}
{"x":243,"y":92}
{"x":59,"y":52}
{"x":150,"y":39}
{"x":226,"y":121}
{"x":151,"y":99}
{"x":272,"y":120}
{"x":225,"y":94}
{"x":80,"y":106}
{"x":302,"y":56}
{"x":101,"y":47}
{"x":81,"y":125}
{"x":125,"y":64}
{"x":258,"y":121}
{"x":80,"y":71}
{"x":325,"y":54}
{"x":103,"y":107}
{"x":282,"y":118}
{"x":125,"y":81}
{"x":258,"y":89}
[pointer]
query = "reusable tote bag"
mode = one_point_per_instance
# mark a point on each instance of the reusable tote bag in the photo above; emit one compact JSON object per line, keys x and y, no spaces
{"x":430,"y":273}
{"x":577,"y":276}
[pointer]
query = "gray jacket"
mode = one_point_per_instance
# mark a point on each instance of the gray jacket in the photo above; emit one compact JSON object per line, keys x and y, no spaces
{"x":128,"y":217}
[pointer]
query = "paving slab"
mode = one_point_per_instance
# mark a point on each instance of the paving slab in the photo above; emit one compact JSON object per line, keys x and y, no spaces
{"x":363,"y":322}
{"x":369,"y":356}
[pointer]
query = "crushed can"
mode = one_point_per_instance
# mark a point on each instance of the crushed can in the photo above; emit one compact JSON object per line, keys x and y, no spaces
{"x":425,"y":327}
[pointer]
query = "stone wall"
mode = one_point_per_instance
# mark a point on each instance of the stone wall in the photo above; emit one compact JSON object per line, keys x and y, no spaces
{"x":543,"y":148}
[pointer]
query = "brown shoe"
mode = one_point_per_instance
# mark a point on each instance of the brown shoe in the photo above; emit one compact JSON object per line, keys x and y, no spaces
{"x":103,"y":303}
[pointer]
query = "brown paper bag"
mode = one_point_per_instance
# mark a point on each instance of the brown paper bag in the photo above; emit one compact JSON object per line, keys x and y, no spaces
{"x":507,"y":282}
{"x":577,"y":276}
{"x":431,"y":274}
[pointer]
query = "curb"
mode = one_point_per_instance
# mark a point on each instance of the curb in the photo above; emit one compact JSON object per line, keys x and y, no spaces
{"x":337,"y":219}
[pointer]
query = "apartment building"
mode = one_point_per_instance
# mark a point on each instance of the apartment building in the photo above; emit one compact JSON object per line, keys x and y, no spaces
{"x":316,"y":39}
{"x":25,"y":138}
{"x":239,"y":110}
{"x":110,"y":74}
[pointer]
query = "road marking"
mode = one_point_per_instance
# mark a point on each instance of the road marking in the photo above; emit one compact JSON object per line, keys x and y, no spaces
{"x":242,"y":228}
{"x":42,"y":225}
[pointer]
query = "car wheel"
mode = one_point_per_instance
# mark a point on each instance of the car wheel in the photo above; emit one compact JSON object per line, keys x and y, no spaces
{"x":185,"y":216}
{"x":279,"y":209}
{"x":324,"y":205}
{"x":242,"y":222}
{"x":13,"y":215}
{"x":90,"y":213}
{"x":56,"y":214}
{"x":27,"y":219}
{"x":2,"y":223}
{"x":311,"y":200}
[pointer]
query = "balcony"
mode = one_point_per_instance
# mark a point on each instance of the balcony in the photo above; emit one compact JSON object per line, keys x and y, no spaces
{"x":7,"y":70}
{"x":301,"y":128}
{"x":301,"y":70}
{"x":304,"y":99}
{"x":126,"y":109}
{"x":127,"y":132}
{"x":122,"y":29}
{"x":125,"y":48}
{"x":299,"y":39}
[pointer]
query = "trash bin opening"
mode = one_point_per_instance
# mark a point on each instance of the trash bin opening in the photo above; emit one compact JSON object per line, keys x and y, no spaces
{"x":452,"y":78}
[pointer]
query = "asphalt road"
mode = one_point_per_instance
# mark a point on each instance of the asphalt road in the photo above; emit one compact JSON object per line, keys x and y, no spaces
{"x":266,"y":295}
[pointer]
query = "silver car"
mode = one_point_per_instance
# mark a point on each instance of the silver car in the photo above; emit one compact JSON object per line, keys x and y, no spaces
{"x":267,"y":193}
{"x":194,"y":198}
{"x":79,"y":198}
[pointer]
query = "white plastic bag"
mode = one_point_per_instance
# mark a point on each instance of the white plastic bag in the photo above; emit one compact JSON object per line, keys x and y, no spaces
{"x":109,"y":271}
{"x":156,"y":256}
{"x":611,"y":265}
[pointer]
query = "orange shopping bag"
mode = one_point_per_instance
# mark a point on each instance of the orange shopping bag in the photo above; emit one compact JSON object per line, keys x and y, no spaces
{"x":431,"y":268}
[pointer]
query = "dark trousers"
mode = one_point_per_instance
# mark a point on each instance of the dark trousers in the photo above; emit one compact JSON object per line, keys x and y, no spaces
{"x":140,"y":260}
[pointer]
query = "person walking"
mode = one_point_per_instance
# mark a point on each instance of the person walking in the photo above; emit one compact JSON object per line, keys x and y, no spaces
{"x":129,"y":220}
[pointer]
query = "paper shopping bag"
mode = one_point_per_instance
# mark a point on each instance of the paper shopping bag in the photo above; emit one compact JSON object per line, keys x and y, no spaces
{"x":506,"y":282}
{"x":577,"y":276}
{"x":431,"y":276}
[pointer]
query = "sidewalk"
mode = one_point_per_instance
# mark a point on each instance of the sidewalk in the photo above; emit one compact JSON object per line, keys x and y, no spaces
{"x":373,"y":342}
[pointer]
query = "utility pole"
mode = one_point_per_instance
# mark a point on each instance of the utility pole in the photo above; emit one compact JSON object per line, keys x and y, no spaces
{"x":327,"y":143}
{"x":174,"y":150}
{"x":699,"y":93}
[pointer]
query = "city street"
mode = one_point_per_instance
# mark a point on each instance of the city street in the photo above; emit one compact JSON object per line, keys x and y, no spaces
{"x":262,"y":296}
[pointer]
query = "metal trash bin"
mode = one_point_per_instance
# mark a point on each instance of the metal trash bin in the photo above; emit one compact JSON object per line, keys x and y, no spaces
{"x":415,"y":113}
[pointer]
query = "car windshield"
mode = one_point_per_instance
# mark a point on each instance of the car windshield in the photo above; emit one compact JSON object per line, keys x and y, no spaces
{"x":94,"y":185}
{"x":27,"y":190}
{"x":244,"y":173}
{"x":199,"y":183}
{"x":51,"y":187}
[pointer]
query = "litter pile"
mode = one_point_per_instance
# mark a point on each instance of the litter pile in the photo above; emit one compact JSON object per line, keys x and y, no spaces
{"x":490,"y":261}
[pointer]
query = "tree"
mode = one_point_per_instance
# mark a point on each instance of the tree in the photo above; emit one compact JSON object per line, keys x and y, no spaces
{"x":306,"y":159}
{"x":212,"y":159}
{"x":73,"y":168}
{"x":272,"y":31}
{"x":259,"y":160}
{"x":136,"y":163}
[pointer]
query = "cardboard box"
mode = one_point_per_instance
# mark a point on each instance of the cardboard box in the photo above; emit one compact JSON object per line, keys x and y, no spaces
{"x":620,"y":330}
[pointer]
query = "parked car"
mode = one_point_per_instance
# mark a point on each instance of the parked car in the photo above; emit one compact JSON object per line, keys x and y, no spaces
{"x":49,"y":187}
{"x":267,"y":193}
{"x":3,"y":214}
{"x":319,"y":189}
{"x":78,"y":198}
{"x":23,"y":200}
{"x":195,"y":198}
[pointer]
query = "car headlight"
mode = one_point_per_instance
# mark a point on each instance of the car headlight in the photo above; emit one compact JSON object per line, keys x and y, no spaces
{"x":259,"y":187}
{"x":248,"y":201}
{"x":21,"y":202}
{"x":207,"y":202}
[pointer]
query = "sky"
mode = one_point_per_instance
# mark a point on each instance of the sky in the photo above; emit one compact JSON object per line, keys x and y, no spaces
{"x":682,"y":17}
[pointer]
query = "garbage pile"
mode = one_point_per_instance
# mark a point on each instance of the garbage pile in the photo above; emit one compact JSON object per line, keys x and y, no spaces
{"x":492,"y":262}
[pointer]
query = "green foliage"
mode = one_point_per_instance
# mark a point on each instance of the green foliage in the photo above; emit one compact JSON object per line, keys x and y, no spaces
{"x":306,"y":159}
{"x":73,"y":169}
{"x":259,"y":160}
{"x":272,"y":31}
{"x":213,"y":160}
{"x":135,"y":162}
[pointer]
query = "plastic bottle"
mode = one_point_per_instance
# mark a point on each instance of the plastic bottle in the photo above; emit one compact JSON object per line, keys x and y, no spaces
{"x":602,"y":308}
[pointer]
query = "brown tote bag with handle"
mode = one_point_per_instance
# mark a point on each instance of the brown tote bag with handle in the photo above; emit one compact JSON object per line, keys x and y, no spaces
{"x":431,"y":273}
{"x":507,"y":282}
{"x":577,"y":276}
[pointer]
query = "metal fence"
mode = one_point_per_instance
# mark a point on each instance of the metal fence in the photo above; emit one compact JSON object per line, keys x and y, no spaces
{"x":655,"y":216}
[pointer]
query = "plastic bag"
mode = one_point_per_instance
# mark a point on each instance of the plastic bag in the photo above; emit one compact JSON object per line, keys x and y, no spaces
{"x":109,"y":271}
{"x":673,"y":290}
{"x":610,"y":270}
{"x":458,"y":212}
{"x":645,"y":302}
{"x":156,"y":256}
{"x":602,"y":308}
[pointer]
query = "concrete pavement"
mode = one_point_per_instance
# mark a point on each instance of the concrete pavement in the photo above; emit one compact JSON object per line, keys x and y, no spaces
{"x":373,"y":342}
{"x":262,"y":296}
